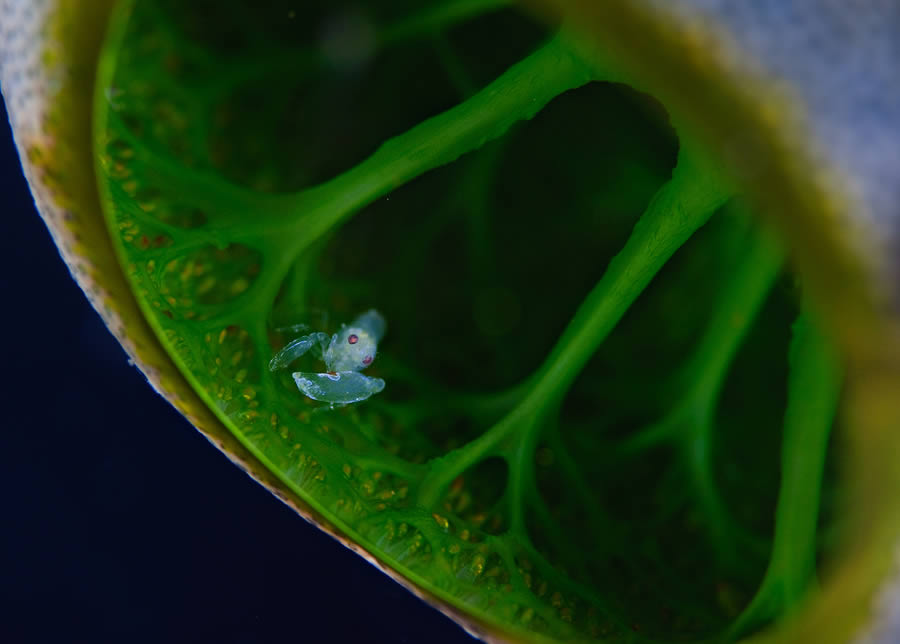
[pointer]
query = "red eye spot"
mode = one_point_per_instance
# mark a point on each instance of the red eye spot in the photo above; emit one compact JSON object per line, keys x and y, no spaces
{"x":367,"y":360}
{"x":353,"y":339}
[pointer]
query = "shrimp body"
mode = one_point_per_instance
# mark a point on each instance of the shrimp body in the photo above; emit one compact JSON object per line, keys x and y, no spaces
{"x":345,"y":354}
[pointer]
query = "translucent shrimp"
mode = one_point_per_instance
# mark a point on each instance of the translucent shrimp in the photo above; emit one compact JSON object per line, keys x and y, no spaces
{"x":345,"y":354}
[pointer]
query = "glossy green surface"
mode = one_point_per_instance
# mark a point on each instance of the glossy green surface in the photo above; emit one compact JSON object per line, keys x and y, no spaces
{"x":587,"y":349}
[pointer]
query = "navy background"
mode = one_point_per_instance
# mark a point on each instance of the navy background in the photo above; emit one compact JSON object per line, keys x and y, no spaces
{"x":120,"y":523}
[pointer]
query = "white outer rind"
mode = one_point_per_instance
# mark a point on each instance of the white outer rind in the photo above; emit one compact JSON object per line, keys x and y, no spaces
{"x":839,"y":61}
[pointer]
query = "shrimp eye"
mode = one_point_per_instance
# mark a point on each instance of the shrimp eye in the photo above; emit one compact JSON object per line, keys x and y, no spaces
{"x":353,"y":339}
{"x":367,"y":360}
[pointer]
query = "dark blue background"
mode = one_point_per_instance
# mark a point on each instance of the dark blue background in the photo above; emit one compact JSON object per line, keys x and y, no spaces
{"x":120,"y":523}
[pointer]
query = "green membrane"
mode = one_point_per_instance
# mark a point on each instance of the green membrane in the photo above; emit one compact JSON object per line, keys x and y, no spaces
{"x":589,"y":411}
